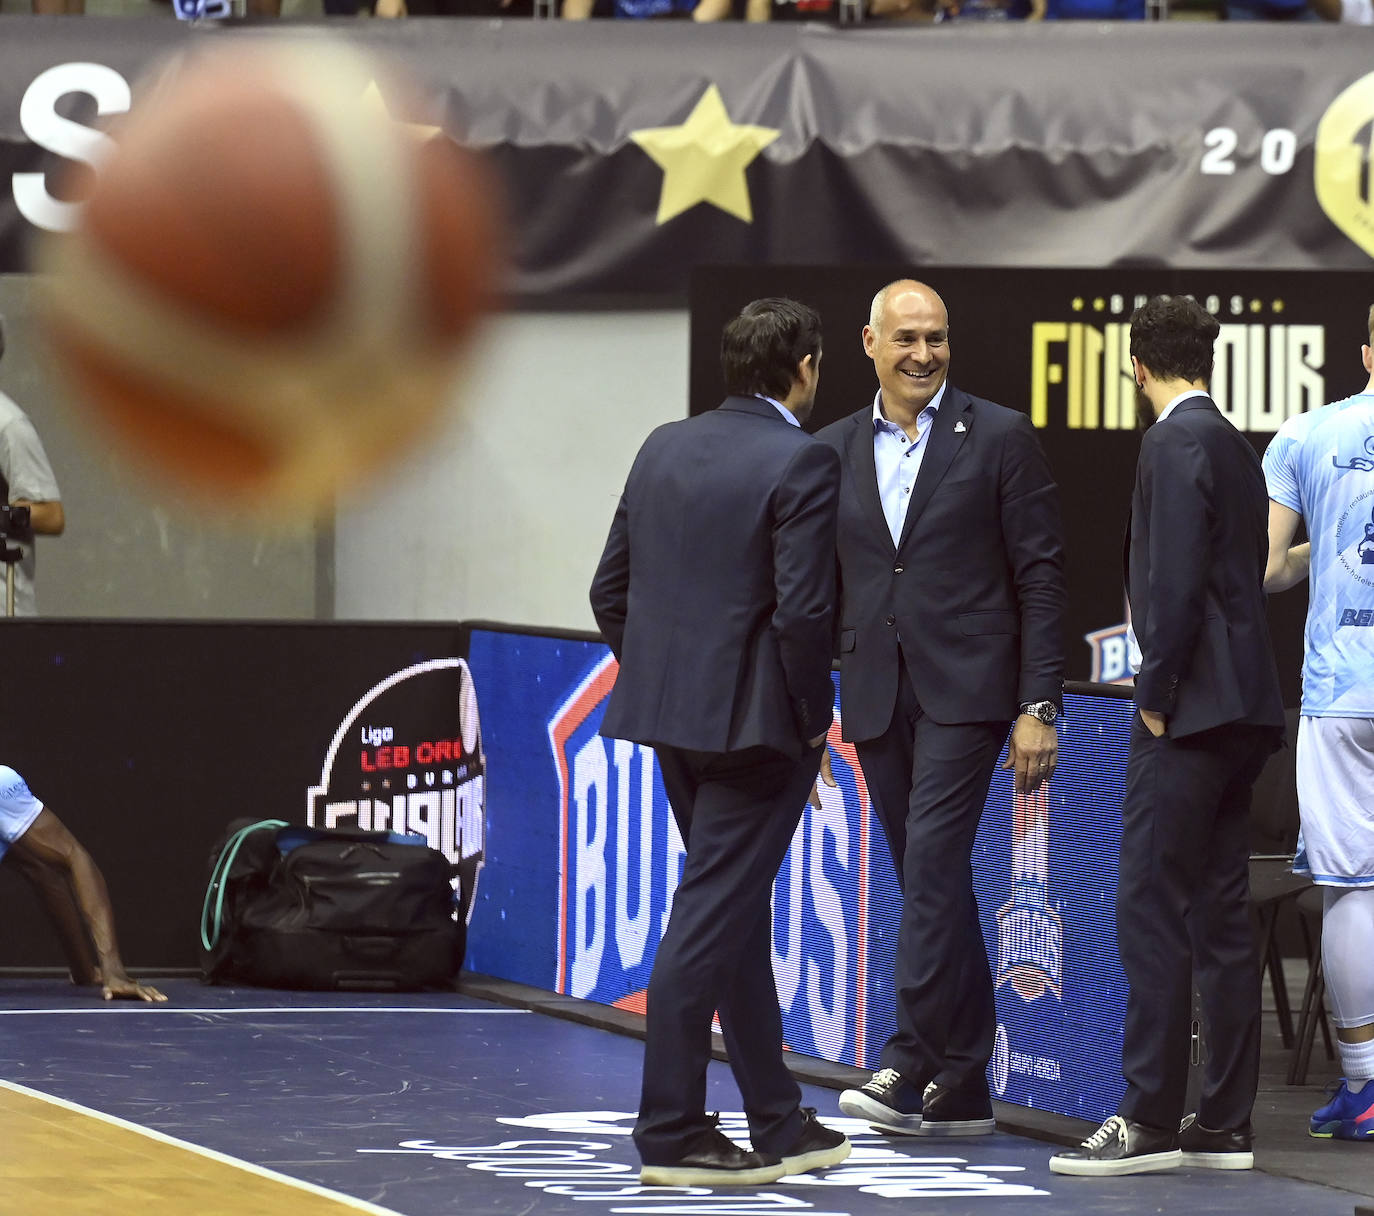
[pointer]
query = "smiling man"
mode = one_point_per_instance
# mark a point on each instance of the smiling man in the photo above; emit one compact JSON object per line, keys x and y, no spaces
{"x":951,"y":596}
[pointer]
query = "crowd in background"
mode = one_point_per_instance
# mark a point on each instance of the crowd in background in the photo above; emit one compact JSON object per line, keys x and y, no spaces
{"x":885,"y":11}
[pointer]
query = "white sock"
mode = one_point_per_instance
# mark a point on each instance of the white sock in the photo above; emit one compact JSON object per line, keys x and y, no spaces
{"x":1357,"y":1062}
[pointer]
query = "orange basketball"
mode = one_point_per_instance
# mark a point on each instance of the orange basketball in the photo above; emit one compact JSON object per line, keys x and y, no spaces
{"x":272,"y":281}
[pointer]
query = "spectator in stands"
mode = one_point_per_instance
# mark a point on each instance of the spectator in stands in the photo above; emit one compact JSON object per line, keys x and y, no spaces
{"x":1352,"y":12}
{"x":990,"y":10}
{"x":1267,"y":10}
{"x":1096,"y":10}
{"x":26,"y":480}
{"x":70,"y":886}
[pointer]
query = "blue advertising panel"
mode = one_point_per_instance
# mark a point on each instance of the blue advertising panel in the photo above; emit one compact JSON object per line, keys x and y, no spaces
{"x":583,"y":856}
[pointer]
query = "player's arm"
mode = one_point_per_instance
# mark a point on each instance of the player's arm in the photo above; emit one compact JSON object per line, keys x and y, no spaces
{"x":45,"y":518}
{"x":50,"y":844}
{"x":1288,"y":563}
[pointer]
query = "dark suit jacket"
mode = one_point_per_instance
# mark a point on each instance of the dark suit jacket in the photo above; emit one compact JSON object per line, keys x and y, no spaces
{"x":1195,"y":575}
{"x":974,"y":589}
{"x":717,"y":586}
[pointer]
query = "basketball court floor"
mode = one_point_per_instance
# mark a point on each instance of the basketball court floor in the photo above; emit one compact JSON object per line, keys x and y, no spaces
{"x":258,"y":1102}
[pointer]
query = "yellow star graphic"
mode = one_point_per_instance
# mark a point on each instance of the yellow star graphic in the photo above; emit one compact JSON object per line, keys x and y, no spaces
{"x":703,"y":160}
{"x":420,"y":132}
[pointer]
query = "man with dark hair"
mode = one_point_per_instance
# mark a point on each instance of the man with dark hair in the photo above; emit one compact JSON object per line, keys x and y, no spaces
{"x":26,"y":480}
{"x":951,"y":595}
{"x":716,"y":594}
{"x":1209,"y":714}
{"x":70,"y":886}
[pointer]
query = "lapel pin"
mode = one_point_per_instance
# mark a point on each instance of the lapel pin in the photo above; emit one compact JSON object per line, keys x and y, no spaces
{"x":959,"y":427}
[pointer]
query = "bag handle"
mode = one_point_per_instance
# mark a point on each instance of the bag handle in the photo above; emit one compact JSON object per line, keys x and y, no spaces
{"x":214,"y":893}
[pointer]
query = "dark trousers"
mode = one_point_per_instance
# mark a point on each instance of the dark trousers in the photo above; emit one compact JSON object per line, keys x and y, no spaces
{"x":929,"y":783}
{"x":737,"y":813}
{"x":1183,"y":917}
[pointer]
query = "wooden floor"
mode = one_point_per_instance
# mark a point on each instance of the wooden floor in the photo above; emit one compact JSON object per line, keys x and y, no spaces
{"x":61,"y":1159}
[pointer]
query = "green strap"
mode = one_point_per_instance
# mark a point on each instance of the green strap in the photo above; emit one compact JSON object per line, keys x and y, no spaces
{"x":214,"y":893}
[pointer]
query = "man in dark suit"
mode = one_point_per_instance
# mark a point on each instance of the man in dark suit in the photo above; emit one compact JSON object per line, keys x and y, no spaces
{"x":951,"y":595}
{"x":1210,"y":713}
{"x":716,"y":593}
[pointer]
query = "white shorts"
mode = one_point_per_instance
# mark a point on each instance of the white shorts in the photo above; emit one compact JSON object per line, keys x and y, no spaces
{"x":1336,"y":800}
{"x":18,"y":807}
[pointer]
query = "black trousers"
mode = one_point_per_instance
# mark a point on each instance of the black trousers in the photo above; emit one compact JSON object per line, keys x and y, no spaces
{"x":1183,"y":915}
{"x":929,"y":782}
{"x":737,"y":813}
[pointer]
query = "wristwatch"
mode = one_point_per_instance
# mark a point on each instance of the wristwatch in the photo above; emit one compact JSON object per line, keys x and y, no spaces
{"x":1046,"y":711}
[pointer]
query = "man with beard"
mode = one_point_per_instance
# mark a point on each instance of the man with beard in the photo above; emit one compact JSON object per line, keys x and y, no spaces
{"x":716,"y":592}
{"x":951,"y":596}
{"x":1209,"y":714}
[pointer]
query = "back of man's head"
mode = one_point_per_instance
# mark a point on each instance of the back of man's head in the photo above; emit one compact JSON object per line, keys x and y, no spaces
{"x":761,"y":348}
{"x":1174,"y":337}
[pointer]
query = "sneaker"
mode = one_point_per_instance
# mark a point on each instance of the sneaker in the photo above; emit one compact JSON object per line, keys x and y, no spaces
{"x":816,"y":1147}
{"x":1208,"y":1149}
{"x":887,"y":1100}
{"x":946,"y":1111}
{"x":714,"y":1160}
{"x":1348,"y":1116}
{"x":1120,"y":1147}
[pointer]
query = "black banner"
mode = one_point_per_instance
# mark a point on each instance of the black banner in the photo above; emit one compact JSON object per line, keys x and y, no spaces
{"x":633,"y":151}
{"x":1055,"y":344}
{"x":148,"y":738}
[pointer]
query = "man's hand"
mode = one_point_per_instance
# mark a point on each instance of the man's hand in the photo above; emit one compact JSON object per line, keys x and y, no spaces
{"x":827,"y":774}
{"x":1154,"y":723}
{"x":1032,"y":753}
{"x":124,"y":987}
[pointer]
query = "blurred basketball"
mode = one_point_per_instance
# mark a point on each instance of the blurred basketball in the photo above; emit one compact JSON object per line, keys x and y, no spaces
{"x":273,"y":280}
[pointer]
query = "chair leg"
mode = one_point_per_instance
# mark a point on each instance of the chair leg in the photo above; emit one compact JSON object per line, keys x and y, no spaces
{"x":1278,"y":982}
{"x":1325,"y":1022}
{"x":1321,"y":1002}
{"x":1273,"y":962}
{"x":1312,"y":1002}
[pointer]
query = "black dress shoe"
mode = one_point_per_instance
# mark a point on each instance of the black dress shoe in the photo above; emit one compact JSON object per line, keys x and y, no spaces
{"x":946,"y":1111}
{"x":1121,"y":1147}
{"x":713,"y":1160}
{"x":1223,"y":1149}
{"x":887,"y":1100}
{"x":816,"y":1147}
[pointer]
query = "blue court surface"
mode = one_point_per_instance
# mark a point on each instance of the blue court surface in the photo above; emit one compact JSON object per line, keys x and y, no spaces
{"x":439,"y":1103}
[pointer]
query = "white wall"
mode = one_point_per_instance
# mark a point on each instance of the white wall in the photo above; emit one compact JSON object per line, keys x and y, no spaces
{"x":504,"y":515}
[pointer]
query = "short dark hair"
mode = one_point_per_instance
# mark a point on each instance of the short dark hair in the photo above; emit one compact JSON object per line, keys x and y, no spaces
{"x":1174,"y":337}
{"x":761,"y":347}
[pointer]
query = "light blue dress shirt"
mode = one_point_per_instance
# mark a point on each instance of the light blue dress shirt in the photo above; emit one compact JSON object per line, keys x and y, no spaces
{"x":898,"y":459}
{"x":782,"y":409}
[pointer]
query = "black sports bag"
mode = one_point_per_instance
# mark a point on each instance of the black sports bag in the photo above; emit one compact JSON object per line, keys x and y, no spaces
{"x":296,"y":907}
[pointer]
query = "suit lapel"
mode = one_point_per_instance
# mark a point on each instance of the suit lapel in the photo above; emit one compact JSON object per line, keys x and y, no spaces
{"x":953,"y":422}
{"x":863,"y":469}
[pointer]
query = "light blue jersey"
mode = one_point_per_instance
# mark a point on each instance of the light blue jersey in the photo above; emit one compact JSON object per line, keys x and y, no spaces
{"x":1321,"y":465}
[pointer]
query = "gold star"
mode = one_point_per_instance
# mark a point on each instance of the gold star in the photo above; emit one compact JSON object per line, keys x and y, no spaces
{"x":1256,"y":305}
{"x":420,"y":132}
{"x":1099,"y":304}
{"x":1277,"y":306}
{"x":704,"y":159}
{"x":1077,"y":304}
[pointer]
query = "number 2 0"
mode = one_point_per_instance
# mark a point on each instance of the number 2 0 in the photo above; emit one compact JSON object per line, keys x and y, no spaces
{"x":1278,"y":148}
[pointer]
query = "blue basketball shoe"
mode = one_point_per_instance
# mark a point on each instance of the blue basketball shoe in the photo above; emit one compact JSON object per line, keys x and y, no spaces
{"x":1348,"y":1116}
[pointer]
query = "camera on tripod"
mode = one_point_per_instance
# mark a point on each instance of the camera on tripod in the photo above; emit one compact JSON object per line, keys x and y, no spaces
{"x":14,"y":521}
